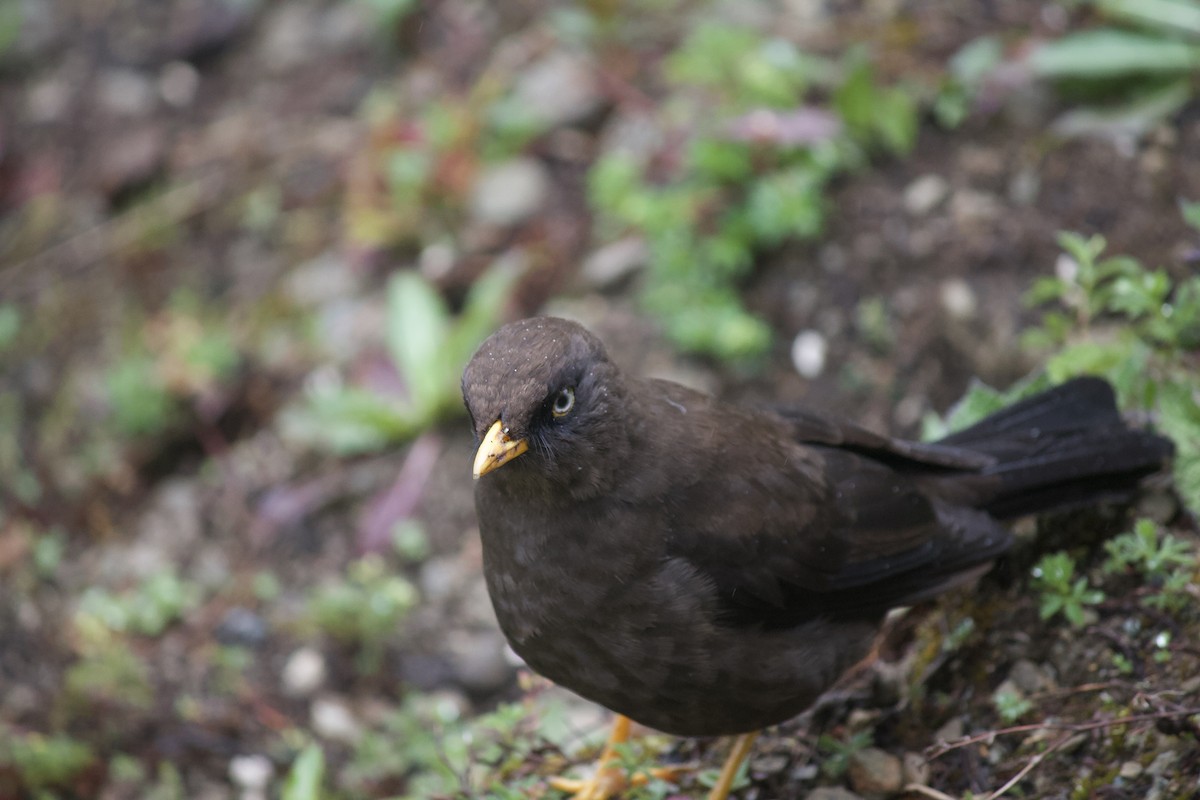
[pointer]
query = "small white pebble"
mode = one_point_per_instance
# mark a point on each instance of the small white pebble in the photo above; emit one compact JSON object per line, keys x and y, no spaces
{"x":333,"y":719}
{"x":304,"y":672}
{"x":925,"y":194}
{"x":958,"y":298}
{"x":251,"y":773}
{"x":808,"y":353}
{"x":177,"y":84}
{"x":1065,"y":268}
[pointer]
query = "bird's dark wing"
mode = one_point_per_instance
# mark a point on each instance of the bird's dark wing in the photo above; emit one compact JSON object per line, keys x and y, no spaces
{"x":800,"y":517}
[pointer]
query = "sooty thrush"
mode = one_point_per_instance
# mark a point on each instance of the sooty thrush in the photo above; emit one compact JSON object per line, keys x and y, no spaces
{"x":706,"y":569}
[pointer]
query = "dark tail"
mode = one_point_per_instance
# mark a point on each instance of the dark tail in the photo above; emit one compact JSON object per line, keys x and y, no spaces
{"x":1064,"y":447}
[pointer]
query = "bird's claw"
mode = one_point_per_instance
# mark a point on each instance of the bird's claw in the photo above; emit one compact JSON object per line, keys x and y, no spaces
{"x":611,"y":782}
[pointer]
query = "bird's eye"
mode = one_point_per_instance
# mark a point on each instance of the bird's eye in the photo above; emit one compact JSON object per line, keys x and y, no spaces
{"x":564,"y":401}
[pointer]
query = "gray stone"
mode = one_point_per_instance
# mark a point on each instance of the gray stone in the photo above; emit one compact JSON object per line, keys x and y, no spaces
{"x":560,"y":89}
{"x":1159,"y":506}
{"x":321,"y":279}
{"x":304,"y":672}
{"x":509,"y":193}
{"x":1024,"y":186}
{"x":613,"y":263}
{"x":126,"y":93}
{"x":925,"y":194}
{"x":1163,"y":764}
{"x":916,"y":769}
{"x":809,"y":350}
{"x":131,"y":158}
{"x":952,"y":730}
{"x":290,"y":35}
{"x":958,"y":298}
{"x":251,"y":772}
{"x":831,"y":793}
{"x":177,"y":83}
{"x":969,"y":206}
{"x":1030,"y":678}
{"x":167,"y":532}
{"x":241,"y":626}
{"x":48,"y":99}
{"x":873,"y":772}
{"x":332,"y":719}
{"x":478,"y":659}
{"x":441,"y":578}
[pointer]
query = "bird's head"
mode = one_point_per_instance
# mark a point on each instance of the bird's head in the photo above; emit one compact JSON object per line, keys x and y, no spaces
{"x":544,"y":397}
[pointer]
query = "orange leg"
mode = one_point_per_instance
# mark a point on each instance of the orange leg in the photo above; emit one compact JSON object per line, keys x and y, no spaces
{"x":737,"y":754}
{"x":609,"y":780}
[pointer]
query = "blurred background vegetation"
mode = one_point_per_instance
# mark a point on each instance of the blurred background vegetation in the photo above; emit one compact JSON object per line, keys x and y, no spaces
{"x":246,"y":247}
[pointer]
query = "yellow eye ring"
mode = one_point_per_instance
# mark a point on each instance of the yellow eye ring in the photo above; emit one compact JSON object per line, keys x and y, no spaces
{"x":564,"y":401}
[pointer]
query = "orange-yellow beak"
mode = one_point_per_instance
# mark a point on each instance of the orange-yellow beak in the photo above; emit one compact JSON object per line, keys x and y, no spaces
{"x":496,"y":450}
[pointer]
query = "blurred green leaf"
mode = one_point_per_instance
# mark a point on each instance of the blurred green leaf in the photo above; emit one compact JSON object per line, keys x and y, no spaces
{"x":1134,"y":117}
{"x":972,"y":63}
{"x":1112,"y":53}
{"x":352,"y":420}
{"x":138,"y":403}
{"x":43,"y":762}
{"x":786,"y":203}
{"x":390,"y":13}
{"x":417,"y":321}
{"x":10,"y":325}
{"x":1061,"y":592}
{"x":1083,"y":358}
{"x":1179,"y":418}
{"x":305,"y":778}
{"x":1169,"y":15}
{"x":12,"y":19}
{"x":1191,"y":213}
{"x":979,"y":401}
{"x":1011,"y":705}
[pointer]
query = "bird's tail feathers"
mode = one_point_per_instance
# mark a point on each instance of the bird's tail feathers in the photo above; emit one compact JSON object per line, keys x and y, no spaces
{"x":1064,"y":447}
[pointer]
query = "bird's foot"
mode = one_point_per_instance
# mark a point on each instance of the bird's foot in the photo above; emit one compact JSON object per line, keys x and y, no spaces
{"x":610,"y":782}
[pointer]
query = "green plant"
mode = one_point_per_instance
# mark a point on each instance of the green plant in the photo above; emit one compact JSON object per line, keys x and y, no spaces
{"x":837,"y":752}
{"x":1061,"y":592}
{"x":365,"y":608}
{"x":157,"y":602}
{"x":1010,"y":705}
{"x":750,"y":173}
{"x":410,"y":184}
{"x":10,"y":325}
{"x":410,"y":541}
{"x":229,"y":666}
{"x":979,"y":401}
{"x":179,"y":354}
{"x":48,"y":550}
{"x":1142,"y":549}
{"x":1168,"y":563}
{"x":1136,"y":327}
{"x":429,"y":349}
{"x":1128,"y":76}
{"x":42,"y":762}
{"x":12,"y":19}
{"x":444,"y":755}
{"x":307,"y":775}
{"x":390,"y":13}
{"x":967,"y":72}
{"x":107,"y":676}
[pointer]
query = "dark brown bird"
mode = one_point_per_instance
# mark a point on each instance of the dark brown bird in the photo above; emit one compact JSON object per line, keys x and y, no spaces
{"x":706,"y":569}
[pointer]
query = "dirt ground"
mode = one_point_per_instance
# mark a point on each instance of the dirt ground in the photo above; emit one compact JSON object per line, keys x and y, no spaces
{"x":210,"y":146}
